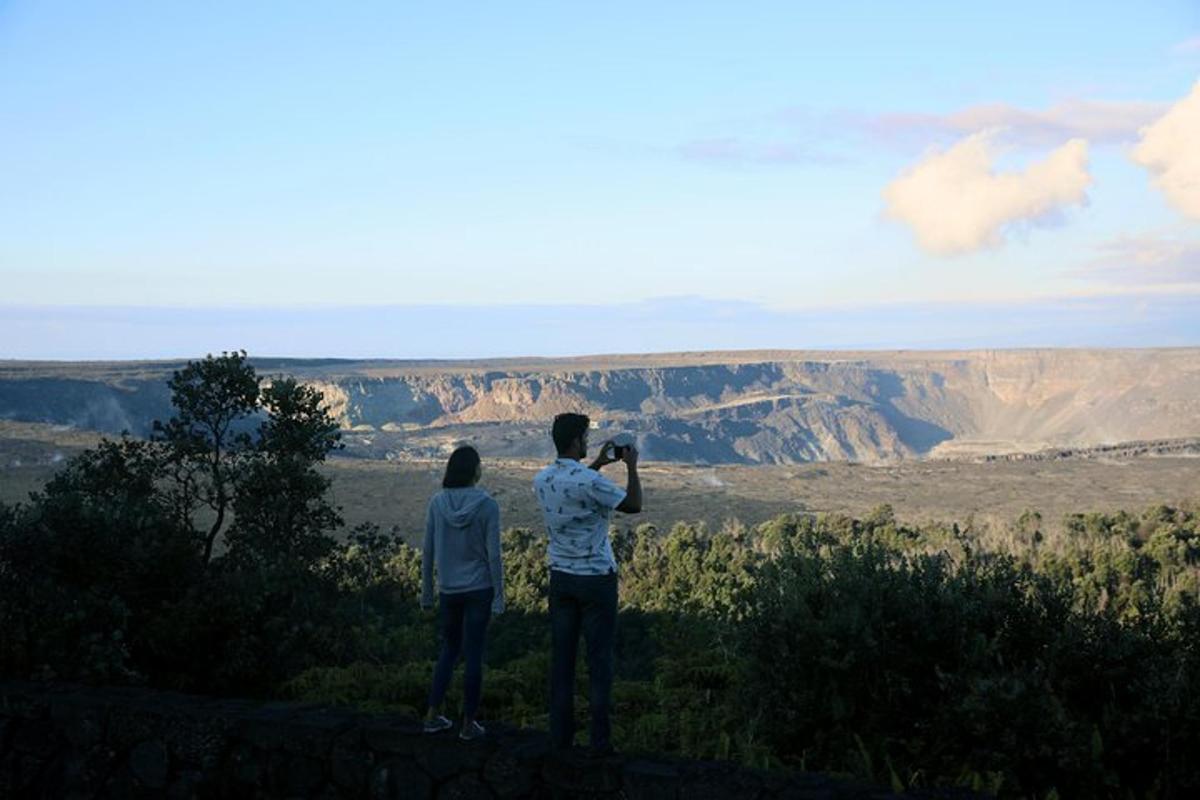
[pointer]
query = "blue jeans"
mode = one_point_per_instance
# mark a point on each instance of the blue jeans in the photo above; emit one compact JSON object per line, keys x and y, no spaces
{"x":462,"y":623}
{"x":587,"y":604}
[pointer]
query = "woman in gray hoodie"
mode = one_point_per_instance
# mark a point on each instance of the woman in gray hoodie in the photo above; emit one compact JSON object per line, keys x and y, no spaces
{"x":462,"y":538}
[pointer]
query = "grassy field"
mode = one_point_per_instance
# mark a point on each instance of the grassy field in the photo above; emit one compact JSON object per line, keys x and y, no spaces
{"x":991,"y":493}
{"x":987,"y":494}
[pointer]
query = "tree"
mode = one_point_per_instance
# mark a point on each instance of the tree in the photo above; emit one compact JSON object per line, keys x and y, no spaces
{"x":214,"y":400}
{"x":88,"y":562}
{"x":111,"y":571}
{"x":281,"y":509}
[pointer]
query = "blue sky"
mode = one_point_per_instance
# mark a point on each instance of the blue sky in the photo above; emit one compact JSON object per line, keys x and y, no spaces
{"x":539,"y":158}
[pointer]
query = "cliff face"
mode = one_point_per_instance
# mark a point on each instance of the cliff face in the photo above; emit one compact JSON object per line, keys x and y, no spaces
{"x":85,"y":742}
{"x":782,"y":408}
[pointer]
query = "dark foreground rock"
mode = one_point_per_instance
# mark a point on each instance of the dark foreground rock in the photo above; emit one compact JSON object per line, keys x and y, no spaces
{"x":85,"y":742}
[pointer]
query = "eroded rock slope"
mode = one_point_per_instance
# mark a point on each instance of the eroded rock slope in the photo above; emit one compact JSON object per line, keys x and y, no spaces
{"x":761,"y":407}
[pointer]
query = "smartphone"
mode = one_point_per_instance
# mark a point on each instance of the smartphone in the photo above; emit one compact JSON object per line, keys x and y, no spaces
{"x":621,"y":443}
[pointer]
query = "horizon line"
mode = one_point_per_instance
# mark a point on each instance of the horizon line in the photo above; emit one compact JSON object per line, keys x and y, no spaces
{"x":1173,"y":290}
{"x":695,"y":354}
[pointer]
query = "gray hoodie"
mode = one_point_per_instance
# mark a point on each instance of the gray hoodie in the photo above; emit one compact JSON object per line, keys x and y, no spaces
{"x":462,"y":537}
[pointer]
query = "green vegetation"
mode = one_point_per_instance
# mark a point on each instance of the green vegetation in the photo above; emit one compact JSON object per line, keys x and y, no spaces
{"x":1028,"y":665}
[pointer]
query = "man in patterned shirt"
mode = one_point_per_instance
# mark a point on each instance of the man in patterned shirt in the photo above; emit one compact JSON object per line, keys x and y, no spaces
{"x":577,"y":502}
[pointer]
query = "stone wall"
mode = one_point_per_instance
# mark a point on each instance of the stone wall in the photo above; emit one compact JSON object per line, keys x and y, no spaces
{"x":82,"y":742}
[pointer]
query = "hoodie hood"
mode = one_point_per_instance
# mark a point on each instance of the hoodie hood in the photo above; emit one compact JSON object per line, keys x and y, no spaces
{"x":460,"y":506}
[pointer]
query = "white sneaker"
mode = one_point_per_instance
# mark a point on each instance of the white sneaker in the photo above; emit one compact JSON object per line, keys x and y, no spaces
{"x":472,"y":730}
{"x":437,"y":724}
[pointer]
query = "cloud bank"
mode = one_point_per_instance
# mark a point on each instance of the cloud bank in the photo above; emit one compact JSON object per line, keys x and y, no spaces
{"x":1098,"y":121}
{"x":734,"y":150}
{"x":1170,"y":149}
{"x":956,"y":202}
{"x":1146,"y":259}
{"x":1191,"y":45}
{"x":663,"y":325}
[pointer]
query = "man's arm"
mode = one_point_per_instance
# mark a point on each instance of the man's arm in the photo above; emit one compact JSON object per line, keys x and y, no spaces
{"x":632,"y":504}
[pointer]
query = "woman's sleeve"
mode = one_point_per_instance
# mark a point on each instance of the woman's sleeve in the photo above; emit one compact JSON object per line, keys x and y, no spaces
{"x":495,"y":563}
{"x":427,"y":560}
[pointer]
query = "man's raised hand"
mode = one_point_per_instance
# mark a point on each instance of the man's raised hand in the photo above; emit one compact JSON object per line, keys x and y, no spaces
{"x":630,"y":455}
{"x":605,"y":455}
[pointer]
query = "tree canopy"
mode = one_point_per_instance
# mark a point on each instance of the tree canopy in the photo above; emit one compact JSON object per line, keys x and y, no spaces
{"x":211,"y":558}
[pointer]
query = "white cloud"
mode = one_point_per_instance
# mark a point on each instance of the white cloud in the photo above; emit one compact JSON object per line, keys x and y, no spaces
{"x":1147,"y":259}
{"x":1098,"y":121}
{"x":1170,"y":149}
{"x":735,"y":150}
{"x":956,"y":202}
{"x":1188,"y":46}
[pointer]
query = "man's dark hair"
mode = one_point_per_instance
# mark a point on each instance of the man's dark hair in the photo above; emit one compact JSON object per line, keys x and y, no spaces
{"x":567,"y":428}
{"x":460,"y":469}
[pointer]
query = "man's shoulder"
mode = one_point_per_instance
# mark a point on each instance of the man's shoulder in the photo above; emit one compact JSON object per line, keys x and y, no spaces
{"x":575,"y":470}
{"x":598,"y":478}
{"x":587,"y":474}
{"x":566,"y":469}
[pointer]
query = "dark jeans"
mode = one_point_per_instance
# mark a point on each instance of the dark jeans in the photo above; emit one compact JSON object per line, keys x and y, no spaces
{"x":462,"y":623}
{"x":586,"y":603}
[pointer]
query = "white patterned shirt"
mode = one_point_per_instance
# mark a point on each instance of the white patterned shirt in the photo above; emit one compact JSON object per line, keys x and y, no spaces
{"x":577,"y":503}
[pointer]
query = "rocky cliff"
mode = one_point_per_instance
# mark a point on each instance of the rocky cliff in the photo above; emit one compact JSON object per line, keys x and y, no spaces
{"x":767,"y":407}
{"x":80,"y":742}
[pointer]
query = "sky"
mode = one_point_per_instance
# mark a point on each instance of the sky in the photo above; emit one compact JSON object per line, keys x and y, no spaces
{"x":385,"y":179}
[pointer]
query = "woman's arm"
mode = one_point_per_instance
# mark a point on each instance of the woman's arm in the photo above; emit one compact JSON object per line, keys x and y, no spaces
{"x":495,"y":564}
{"x":427,"y":561}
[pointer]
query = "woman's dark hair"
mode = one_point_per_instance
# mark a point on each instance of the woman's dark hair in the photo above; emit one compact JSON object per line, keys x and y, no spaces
{"x":460,"y":469}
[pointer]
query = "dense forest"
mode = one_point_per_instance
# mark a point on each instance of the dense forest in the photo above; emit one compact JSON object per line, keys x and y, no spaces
{"x":209,"y":558}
